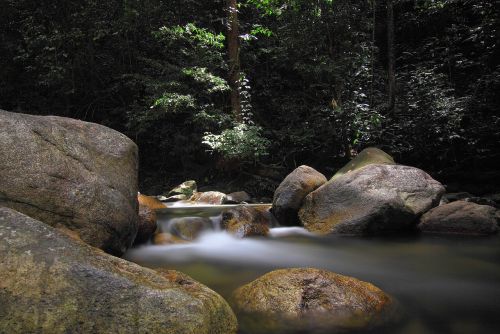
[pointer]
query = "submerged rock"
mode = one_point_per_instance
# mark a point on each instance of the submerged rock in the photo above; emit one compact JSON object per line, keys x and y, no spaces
{"x":66,"y":172}
{"x":375,"y":199}
{"x":460,"y":217}
{"x":164,"y":238}
{"x":209,"y":197}
{"x":291,"y":192}
{"x":245,"y":221}
{"x":368,"y":156}
{"x":50,"y":283}
{"x":310,"y":300}
{"x":190,"y":228}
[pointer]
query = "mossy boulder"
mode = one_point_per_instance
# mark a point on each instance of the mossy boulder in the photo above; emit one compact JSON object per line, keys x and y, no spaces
{"x":73,"y":174}
{"x":310,"y":300}
{"x":246,"y":221}
{"x":51,"y":283}
{"x":291,"y":192}
{"x":460,"y":217}
{"x":376,"y":199}
{"x":185,"y":190}
{"x":368,"y":156}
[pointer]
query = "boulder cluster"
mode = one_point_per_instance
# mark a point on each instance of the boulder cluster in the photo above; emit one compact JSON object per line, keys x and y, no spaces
{"x":372,"y":195}
{"x":69,"y":204}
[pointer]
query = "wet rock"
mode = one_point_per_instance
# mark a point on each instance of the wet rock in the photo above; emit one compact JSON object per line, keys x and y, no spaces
{"x":290,"y":194}
{"x":190,"y":228}
{"x":150,"y":202}
{"x":245,"y":221}
{"x":147,"y":224}
{"x":187,"y":189}
{"x":209,"y":197}
{"x":167,"y":239}
{"x":460,"y":217}
{"x":368,"y":156}
{"x":50,"y":283}
{"x":310,"y":300}
{"x":376,"y":199}
{"x":66,"y":172}
{"x":238,"y":198}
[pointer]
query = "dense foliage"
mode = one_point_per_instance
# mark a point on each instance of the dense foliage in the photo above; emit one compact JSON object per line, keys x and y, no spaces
{"x":313,"y":84}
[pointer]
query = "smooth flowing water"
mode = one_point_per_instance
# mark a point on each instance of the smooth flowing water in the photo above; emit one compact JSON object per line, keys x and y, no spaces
{"x":443,"y":284}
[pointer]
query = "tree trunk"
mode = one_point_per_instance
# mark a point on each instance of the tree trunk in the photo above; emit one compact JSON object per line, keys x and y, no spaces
{"x":234,"y":57}
{"x":391,"y":77}
{"x":372,"y":70}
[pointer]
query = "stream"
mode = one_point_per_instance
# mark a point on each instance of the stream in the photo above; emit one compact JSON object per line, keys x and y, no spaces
{"x":443,"y":284}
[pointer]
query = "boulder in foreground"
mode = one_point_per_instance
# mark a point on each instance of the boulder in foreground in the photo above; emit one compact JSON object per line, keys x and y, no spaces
{"x":460,"y":217}
{"x":310,"y":300}
{"x":375,"y":199}
{"x":291,"y":192}
{"x":50,"y":283}
{"x":72,"y":174}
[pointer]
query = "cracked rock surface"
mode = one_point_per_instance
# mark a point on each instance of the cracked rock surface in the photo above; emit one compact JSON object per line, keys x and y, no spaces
{"x":71,"y":174}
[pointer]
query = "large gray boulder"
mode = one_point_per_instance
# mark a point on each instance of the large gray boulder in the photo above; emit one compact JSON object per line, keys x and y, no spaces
{"x":70,"y":173}
{"x":51,"y":283}
{"x":375,"y":199}
{"x":291,"y":192}
{"x":308,"y":300}
{"x":460,"y":217}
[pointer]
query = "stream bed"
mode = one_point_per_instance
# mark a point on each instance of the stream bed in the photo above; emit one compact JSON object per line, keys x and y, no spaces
{"x":443,"y":284}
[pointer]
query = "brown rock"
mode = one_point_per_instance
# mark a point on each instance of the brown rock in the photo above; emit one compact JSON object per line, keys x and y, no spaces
{"x":238,"y":198}
{"x":460,"y":217}
{"x":147,"y":224}
{"x":167,"y":239}
{"x":209,"y":197}
{"x":66,"y":172}
{"x":190,"y":228}
{"x":150,"y":202}
{"x":290,"y":194}
{"x":245,"y":221}
{"x":310,"y":300}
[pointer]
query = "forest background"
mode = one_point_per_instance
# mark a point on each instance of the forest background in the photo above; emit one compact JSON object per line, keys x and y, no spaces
{"x":235,"y":94}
